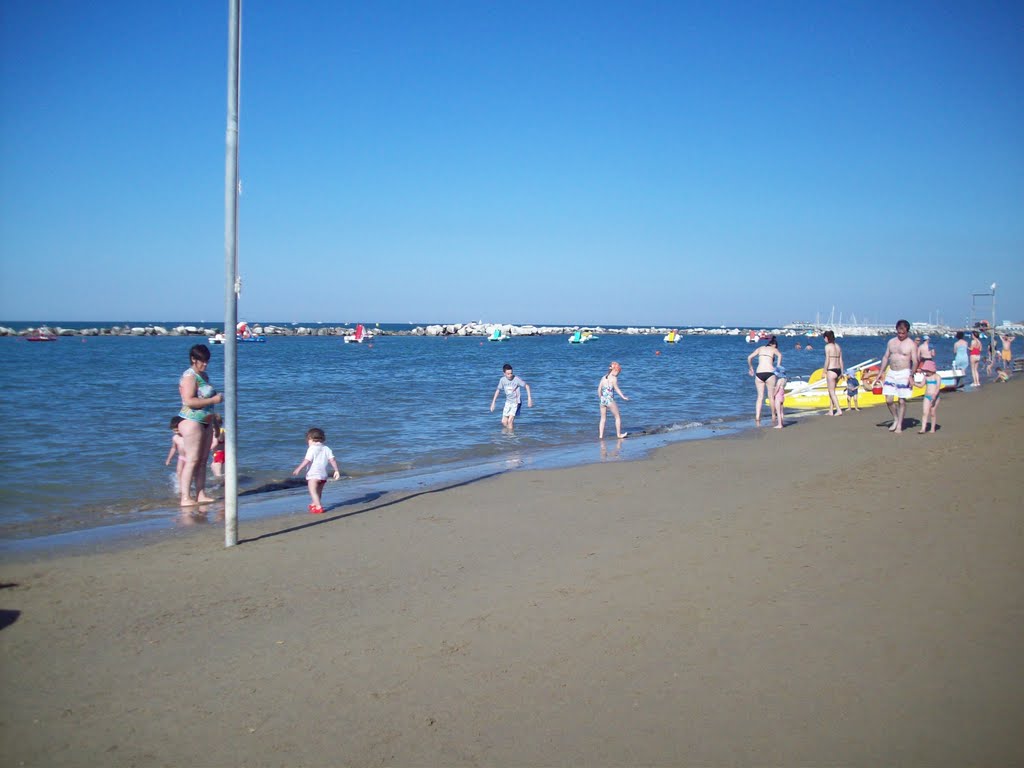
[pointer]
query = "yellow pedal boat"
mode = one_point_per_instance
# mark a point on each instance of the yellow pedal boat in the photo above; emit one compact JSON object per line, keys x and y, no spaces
{"x":813,"y":394}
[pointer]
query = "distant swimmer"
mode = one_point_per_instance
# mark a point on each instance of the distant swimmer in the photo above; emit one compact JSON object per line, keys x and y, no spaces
{"x":511,"y":385}
{"x":901,"y":357}
{"x":768,"y":357}
{"x":607,"y":388}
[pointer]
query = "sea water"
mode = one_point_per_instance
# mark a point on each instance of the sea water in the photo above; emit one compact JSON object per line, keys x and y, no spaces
{"x":86,"y":419}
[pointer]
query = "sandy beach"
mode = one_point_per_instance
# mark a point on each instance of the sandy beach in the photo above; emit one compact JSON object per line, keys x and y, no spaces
{"x":828,"y":594}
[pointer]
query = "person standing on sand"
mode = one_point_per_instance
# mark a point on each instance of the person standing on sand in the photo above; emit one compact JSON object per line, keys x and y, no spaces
{"x":768,"y":358}
{"x":780,"y":396}
{"x":901,"y":357}
{"x":606,"y":389}
{"x":1007,"y":352}
{"x":960,"y":352}
{"x":930,"y":401}
{"x":833,"y":370}
{"x":974,"y":353}
{"x":197,"y":400}
{"x":924,"y":349}
{"x":318,"y":456}
{"x":852,"y":390}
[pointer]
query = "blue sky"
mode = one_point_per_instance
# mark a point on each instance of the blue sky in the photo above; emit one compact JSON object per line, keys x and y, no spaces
{"x":670,"y":163}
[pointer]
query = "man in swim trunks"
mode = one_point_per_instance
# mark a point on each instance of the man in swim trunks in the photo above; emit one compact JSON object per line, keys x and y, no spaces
{"x":901,"y":357}
{"x":510,"y":384}
{"x":1007,"y":352}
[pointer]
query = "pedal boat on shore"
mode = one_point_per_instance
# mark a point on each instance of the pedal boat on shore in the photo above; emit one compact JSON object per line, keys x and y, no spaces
{"x":812,"y":395}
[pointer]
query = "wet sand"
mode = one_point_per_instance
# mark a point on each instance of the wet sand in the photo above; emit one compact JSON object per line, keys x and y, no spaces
{"x":825,"y":594}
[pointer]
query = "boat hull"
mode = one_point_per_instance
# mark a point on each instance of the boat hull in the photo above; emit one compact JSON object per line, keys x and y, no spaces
{"x":813,"y":396}
{"x":818,"y":399}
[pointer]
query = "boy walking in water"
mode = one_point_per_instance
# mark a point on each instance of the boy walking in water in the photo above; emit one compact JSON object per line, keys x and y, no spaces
{"x":901,"y":357}
{"x":318,"y":456}
{"x":510,"y":384}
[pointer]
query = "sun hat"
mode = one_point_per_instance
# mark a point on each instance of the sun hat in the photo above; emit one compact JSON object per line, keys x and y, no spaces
{"x":780,"y":371}
{"x":926,"y":337}
{"x":928,"y":365}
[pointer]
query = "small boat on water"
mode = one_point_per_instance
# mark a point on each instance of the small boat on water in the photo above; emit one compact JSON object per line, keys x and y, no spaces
{"x":672,"y":337}
{"x":243,"y":335}
{"x":41,"y":337}
{"x":498,"y":335}
{"x":581,"y":337}
{"x":359,"y":336}
{"x":219,"y":339}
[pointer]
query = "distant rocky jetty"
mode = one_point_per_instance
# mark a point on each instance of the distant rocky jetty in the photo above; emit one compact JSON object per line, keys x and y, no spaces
{"x":454,"y":329}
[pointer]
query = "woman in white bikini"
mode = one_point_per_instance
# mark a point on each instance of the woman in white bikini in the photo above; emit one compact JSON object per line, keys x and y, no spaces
{"x":768,"y":356}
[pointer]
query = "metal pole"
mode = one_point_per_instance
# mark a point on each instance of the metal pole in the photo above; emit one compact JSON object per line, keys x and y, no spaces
{"x":231,"y":280}
{"x":993,"y":313}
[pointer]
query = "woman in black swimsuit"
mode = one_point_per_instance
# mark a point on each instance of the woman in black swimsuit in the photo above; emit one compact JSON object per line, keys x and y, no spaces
{"x":768,"y":357}
{"x":833,"y":370}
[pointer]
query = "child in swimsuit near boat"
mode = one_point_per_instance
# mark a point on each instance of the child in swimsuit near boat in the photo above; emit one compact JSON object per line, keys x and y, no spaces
{"x":930,"y":402}
{"x":852,"y":390}
{"x":177,"y":444}
{"x":780,"y":393}
{"x":318,"y":456}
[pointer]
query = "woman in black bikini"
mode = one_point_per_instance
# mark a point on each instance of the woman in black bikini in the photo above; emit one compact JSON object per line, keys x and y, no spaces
{"x":768,"y":357}
{"x":833,"y":370}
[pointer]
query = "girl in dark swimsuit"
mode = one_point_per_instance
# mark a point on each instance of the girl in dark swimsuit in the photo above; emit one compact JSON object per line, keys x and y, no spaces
{"x":833,"y":370}
{"x":768,"y":357}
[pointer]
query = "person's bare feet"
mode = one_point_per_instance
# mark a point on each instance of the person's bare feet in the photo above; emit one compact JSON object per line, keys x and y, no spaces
{"x":187,"y":501}
{"x":204,"y":499}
